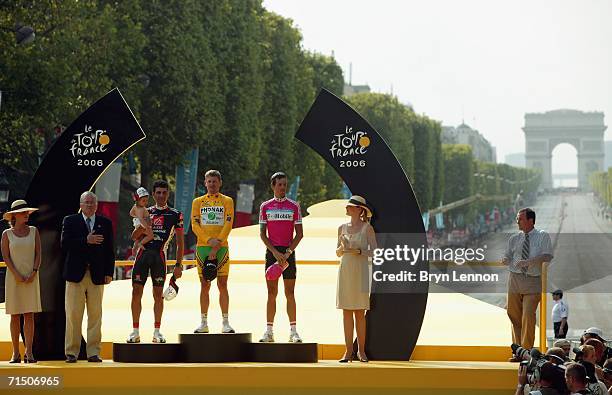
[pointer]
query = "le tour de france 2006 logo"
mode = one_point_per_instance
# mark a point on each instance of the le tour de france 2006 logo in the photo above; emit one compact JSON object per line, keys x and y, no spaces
{"x":85,"y":145}
{"x":348,"y":146}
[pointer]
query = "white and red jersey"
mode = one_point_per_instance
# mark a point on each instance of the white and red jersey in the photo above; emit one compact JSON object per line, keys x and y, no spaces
{"x":280,"y":216}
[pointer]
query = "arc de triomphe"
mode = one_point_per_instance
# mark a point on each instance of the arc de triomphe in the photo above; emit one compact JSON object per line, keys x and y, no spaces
{"x":583,"y":130}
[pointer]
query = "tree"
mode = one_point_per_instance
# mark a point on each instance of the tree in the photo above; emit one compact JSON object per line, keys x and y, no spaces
{"x":282,"y":58}
{"x":458,"y":172}
{"x":425,"y":140}
{"x":178,"y":103}
{"x":79,"y":54}
{"x":327,"y":74}
{"x":438,"y":184}
{"x":234,"y":144}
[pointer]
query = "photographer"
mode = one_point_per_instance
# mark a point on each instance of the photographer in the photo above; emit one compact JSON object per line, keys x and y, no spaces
{"x":595,"y":386}
{"x":556,"y":356}
{"x":551,"y":380}
{"x":596,"y":333}
{"x":565,"y":345}
{"x":599,"y":349}
{"x":584,"y":352}
{"x":576,"y":379}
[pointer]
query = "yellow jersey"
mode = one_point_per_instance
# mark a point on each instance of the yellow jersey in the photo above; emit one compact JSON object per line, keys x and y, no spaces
{"x":212,"y":216}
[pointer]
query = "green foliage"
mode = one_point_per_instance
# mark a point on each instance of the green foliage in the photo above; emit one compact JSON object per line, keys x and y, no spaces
{"x":459,"y":172}
{"x":226,"y":76}
{"x":438,"y":183}
{"x":80,"y":53}
{"x":327,"y":73}
{"x":426,"y":139}
{"x":601,"y":182}
{"x":176,"y":107}
{"x":282,"y":112}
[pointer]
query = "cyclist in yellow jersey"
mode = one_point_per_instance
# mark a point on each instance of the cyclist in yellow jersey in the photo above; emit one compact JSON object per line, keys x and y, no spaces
{"x":212,"y":218}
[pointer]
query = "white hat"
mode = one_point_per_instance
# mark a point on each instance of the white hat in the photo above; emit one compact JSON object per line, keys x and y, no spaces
{"x":18,"y":206}
{"x":140,"y":192}
{"x":358,"y":201}
{"x":594,"y":331}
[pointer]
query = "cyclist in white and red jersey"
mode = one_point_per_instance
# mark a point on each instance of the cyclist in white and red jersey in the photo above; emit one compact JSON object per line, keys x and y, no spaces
{"x":279,"y":217}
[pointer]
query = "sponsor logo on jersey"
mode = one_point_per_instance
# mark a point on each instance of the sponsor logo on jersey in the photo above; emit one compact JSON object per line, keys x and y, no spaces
{"x":158,"y":220}
{"x":212,"y":215}
{"x":279,"y":215}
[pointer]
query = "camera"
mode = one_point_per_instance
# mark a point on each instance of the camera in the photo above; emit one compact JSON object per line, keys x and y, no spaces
{"x":532,"y":359}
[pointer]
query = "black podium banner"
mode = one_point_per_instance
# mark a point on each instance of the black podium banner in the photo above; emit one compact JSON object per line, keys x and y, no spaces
{"x":370,"y":169}
{"x":71,"y":166}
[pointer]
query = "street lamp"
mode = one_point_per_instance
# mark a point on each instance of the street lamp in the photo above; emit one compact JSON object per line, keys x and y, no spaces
{"x":144,"y":80}
{"x":24,"y":34}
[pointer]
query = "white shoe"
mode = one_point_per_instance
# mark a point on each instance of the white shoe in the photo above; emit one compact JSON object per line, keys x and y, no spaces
{"x":227,"y":328}
{"x":203,"y":328}
{"x":158,"y":338}
{"x":134,"y":337}
{"x":294,"y":338}
{"x":268,"y":337}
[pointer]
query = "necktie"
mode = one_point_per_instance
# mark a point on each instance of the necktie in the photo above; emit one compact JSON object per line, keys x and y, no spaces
{"x":88,"y":220}
{"x":525,"y":252}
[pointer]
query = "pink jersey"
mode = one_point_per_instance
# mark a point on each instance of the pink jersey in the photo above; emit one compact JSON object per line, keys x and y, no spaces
{"x":280,"y":216}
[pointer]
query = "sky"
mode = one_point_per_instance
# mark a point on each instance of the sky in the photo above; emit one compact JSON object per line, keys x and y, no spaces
{"x":485,"y":62}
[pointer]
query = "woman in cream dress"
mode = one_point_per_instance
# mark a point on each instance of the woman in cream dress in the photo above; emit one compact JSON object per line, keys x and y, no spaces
{"x":356,"y":242}
{"x":21,"y":252}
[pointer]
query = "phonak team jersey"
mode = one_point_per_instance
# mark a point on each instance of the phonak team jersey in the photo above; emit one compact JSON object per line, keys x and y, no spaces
{"x":280,"y":216}
{"x":163,"y":223}
{"x":212,"y":216}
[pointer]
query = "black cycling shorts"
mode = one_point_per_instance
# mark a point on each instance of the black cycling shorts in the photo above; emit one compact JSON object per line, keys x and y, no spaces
{"x":291,"y":271}
{"x":153,"y":261}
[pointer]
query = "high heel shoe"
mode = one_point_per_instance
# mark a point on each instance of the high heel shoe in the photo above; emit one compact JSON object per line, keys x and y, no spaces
{"x":17,"y":359}
{"x":346,"y":359}
{"x":362,"y":358}
{"x":29,"y":359}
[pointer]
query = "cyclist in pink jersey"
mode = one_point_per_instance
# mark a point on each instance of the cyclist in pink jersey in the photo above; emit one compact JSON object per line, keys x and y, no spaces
{"x":279,"y":217}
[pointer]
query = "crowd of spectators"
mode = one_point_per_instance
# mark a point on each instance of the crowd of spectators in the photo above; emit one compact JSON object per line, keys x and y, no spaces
{"x":586,"y":369}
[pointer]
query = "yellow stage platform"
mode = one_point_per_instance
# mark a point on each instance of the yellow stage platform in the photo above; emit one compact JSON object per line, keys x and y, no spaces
{"x":460,"y":350}
{"x":450,"y":319}
{"x":326,"y":377}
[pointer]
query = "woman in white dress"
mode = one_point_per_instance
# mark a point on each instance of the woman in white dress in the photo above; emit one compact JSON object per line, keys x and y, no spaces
{"x":356,"y":243}
{"x":21,"y":252}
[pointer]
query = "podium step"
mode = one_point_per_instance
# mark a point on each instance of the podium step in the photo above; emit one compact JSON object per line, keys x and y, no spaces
{"x":283,"y":352}
{"x":215,"y":347}
{"x":147,"y":352}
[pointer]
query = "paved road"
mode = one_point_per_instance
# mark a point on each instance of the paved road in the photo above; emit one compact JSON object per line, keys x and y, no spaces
{"x":582,"y":266}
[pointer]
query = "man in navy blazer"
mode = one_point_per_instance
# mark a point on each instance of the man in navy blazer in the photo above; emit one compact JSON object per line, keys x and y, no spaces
{"x":87,"y":240}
